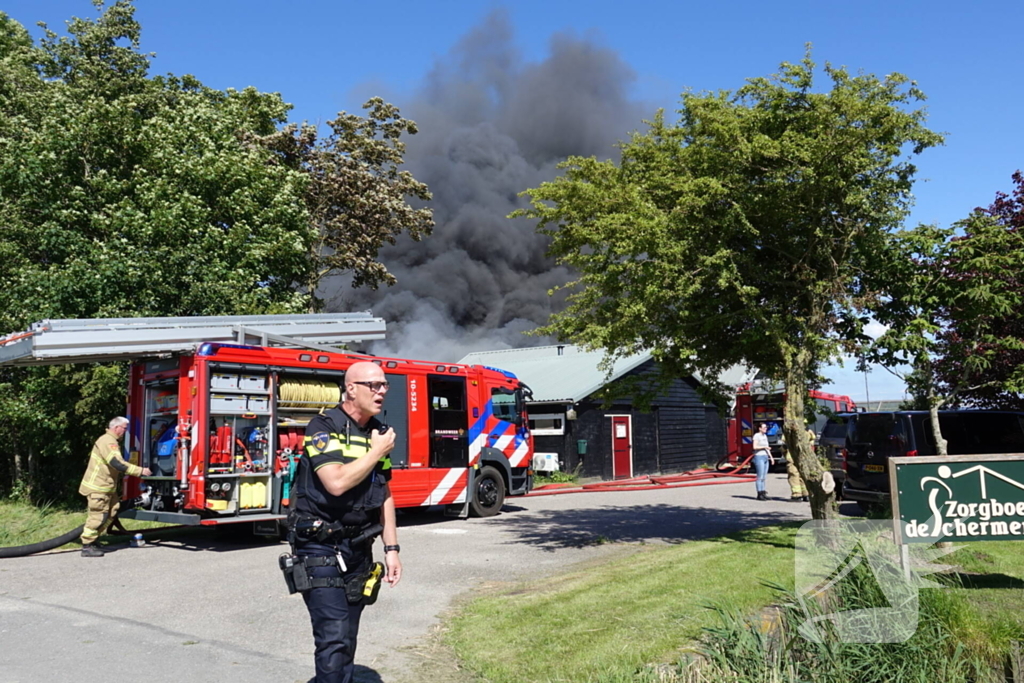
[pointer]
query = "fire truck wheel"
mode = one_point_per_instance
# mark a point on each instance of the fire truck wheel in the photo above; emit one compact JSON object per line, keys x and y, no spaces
{"x":488,"y":493}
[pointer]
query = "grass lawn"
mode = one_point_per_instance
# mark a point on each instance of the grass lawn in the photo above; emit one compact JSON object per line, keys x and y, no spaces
{"x":22,"y":524}
{"x":605,"y":622}
{"x":991,"y":574}
{"x":608,"y":622}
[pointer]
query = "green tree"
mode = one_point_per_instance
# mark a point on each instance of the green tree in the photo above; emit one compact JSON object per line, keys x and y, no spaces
{"x":986,"y":343}
{"x":741,"y":234}
{"x":124,"y":194}
{"x":954,"y":312}
{"x":128,"y":195}
{"x":358,"y":195}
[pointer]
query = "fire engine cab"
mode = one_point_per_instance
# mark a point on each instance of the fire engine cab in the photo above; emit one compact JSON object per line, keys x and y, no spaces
{"x":218,"y":408}
{"x":758,"y":402}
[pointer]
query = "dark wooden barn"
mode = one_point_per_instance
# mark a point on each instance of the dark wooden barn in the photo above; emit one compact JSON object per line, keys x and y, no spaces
{"x":574,"y":432}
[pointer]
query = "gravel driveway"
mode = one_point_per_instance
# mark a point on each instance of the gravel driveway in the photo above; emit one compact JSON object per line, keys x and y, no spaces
{"x":203,"y":608}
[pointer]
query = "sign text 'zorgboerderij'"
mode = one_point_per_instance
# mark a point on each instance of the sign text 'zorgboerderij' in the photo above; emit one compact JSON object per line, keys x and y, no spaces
{"x":958,"y":498}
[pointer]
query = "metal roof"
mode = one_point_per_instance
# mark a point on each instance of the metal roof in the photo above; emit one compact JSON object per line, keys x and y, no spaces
{"x":733,"y":376}
{"x":556,"y":374}
{"x":567,"y":374}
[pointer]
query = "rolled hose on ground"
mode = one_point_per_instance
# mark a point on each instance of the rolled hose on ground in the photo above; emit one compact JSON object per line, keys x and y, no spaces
{"x":41,"y":546}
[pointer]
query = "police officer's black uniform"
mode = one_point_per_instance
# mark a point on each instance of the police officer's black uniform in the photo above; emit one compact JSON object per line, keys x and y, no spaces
{"x":333,"y":437}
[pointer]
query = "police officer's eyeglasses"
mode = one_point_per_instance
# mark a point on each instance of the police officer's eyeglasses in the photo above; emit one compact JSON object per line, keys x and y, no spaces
{"x":375,"y":386}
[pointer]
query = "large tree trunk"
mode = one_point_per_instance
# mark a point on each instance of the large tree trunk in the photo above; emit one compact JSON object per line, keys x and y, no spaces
{"x":934,"y":403}
{"x":817,"y":479}
{"x":17,"y":466}
{"x":33,"y":470}
{"x":926,"y":373}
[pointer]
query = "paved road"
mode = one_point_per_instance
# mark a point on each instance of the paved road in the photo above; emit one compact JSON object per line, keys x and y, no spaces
{"x":202,"y":608}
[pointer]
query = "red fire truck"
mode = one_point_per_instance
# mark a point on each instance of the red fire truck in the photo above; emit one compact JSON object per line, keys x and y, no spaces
{"x":758,"y":402}
{"x":218,"y":408}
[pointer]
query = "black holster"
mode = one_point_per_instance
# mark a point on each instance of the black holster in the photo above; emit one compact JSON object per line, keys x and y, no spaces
{"x":362,"y":588}
{"x":296,"y":576}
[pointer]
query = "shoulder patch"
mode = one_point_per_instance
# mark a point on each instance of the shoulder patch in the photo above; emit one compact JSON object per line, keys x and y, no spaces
{"x":114,"y":447}
{"x":320,"y":441}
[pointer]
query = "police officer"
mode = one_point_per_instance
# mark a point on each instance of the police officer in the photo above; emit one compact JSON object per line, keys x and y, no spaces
{"x":342,"y":481}
{"x":100,"y":483}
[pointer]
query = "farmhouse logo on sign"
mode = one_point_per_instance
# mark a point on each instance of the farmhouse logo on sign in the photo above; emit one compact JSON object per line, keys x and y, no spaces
{"x":958,"y":498}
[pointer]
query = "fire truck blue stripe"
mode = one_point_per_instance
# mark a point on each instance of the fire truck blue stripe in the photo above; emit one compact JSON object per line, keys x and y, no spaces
{"x":480,"y":425}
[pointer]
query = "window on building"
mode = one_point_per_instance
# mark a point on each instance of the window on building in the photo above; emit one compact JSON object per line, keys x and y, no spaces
{"x":547,"y":424}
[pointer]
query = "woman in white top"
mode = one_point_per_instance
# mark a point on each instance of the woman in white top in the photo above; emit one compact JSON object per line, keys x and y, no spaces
{"x":762,"y":459}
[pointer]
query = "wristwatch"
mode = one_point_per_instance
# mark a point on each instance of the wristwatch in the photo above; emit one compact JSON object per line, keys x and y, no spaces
{"x":389,"y":548}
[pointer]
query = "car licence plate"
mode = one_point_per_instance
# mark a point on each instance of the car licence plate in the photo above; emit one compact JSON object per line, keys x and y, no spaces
{"x":874,"y":468}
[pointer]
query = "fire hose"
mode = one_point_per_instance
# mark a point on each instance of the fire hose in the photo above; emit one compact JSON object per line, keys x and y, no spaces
{"x":698,"y":477}
{"x":116,"y":528}
{"x":41,"y":546}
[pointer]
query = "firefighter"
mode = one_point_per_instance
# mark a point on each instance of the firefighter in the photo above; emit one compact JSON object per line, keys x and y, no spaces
{"x":341,"y":497}
{"x":100,"y":484}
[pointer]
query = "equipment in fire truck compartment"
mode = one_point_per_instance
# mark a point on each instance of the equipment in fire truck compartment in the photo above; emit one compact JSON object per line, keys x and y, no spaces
{"x":238,"y":456}
{"x":165,"y":449}
{"x":237,"y":445}
{"x":308,"y":394}
{"x":252,"y":494}
{"x":289,"y":441}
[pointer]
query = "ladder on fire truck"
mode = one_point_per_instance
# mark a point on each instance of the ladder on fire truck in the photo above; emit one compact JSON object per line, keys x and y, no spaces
{"x":117,"y":339}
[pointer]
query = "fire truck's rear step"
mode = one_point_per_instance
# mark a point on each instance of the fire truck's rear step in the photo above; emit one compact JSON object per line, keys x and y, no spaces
{"x":185,"y":519}
{"x":165,"y":517}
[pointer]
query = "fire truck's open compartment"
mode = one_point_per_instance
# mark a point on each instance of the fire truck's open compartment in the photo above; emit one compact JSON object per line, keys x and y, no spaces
{"x":158,"y":445}
{"x":160,"y":421}
{"x":240,"y":461}
{"x":303,"y":393}
{"x":298,"y":396}
{"x":248,"y":436}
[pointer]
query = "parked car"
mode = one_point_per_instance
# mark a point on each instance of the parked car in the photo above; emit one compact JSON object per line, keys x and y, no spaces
{"x":832,"y":447}
{"x":873,"y":438}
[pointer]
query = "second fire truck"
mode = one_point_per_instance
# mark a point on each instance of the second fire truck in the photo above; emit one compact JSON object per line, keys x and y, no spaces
{"x":757,"y":402}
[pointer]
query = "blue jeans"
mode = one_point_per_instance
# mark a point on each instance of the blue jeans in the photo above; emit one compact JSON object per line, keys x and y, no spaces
{"x":761,"y":467}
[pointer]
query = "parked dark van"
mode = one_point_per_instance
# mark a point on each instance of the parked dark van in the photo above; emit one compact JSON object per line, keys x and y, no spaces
{"x":873,"y":438}
{"x":832,"y":447}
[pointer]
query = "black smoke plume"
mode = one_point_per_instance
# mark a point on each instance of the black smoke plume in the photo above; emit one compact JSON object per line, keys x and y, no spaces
{"x":492,"y":125}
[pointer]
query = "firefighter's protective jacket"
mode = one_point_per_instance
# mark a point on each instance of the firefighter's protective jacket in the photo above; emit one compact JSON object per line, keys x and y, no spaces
{"x":106,"y":466}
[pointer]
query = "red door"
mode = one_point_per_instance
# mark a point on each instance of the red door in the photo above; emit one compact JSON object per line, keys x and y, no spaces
{"x":622,"y":447}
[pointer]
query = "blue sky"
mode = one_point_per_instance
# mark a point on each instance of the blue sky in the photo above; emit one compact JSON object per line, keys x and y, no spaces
{"x":325,"y":56}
